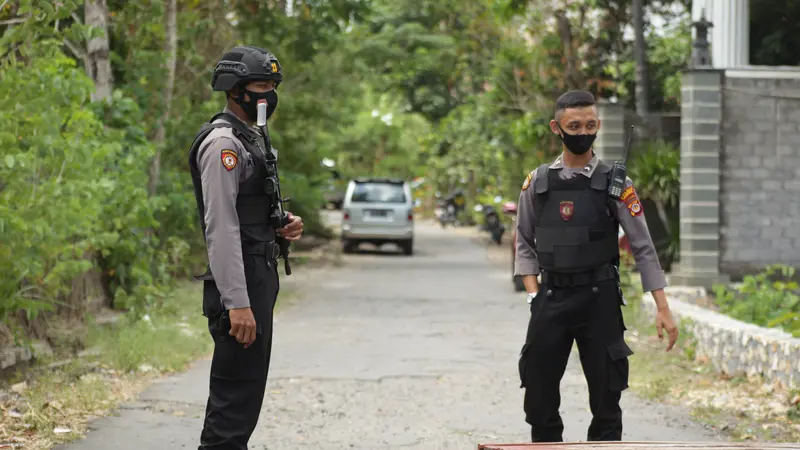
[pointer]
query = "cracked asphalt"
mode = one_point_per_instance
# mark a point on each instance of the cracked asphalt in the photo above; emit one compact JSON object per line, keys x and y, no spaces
{"x":389,"y":352}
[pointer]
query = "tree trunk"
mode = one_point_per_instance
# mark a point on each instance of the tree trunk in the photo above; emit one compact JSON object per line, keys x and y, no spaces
{"x":97,"y":50}
{"x":572,"y":74}
{"x":171,"y":50}
{"x":640,"y":55}
{"x":88,"y":293}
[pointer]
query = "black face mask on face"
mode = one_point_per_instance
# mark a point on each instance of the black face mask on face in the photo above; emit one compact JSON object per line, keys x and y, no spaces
{"x":251,"y":107}
{"x":577,"y":143}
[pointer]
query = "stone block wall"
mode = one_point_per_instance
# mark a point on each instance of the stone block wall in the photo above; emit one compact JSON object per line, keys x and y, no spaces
{"x":760,"y":168}
{"x":732,"y":346}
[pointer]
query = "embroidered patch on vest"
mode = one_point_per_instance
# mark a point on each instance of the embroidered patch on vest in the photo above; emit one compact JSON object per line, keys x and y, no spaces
{"x":566,"y":208}
{"x":229,"y":159}
{"x":527,"y":182}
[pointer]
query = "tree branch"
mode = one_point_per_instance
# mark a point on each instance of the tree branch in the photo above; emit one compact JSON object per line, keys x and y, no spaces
{"x":14,"y":20}
{"x":76,"y":52}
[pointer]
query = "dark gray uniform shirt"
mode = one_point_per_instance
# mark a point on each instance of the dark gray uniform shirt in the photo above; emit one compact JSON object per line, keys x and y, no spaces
{"x":628,"y":212}
{"x":224,"y":164}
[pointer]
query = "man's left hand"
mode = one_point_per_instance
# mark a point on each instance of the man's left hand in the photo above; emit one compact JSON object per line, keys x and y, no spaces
{"x":294,"y":229}
{"x":664,"y":321}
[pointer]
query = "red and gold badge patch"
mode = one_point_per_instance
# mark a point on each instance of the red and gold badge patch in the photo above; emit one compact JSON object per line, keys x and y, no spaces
{"x":229,"y":159}
{"x":567,"y":209}
{"x":631,"y":200}
{"x":527,"y":182}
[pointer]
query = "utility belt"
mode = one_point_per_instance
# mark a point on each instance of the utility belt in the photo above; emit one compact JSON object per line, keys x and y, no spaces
{"x":269,"y":249}
{"x":563,"y":279}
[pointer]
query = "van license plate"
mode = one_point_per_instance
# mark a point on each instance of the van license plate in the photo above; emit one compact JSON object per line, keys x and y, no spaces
{"x":377,"y":212}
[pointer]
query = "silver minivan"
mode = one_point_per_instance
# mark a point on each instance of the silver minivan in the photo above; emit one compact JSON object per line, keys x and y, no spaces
{"x":378,"y":211}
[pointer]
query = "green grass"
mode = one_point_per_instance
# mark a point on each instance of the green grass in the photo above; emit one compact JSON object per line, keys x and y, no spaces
{"x":128,"y":355}
{"x":170,"y":336}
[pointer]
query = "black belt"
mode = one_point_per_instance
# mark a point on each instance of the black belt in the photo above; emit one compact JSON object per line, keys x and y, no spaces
{"x":271,"y":249}
{"x":556,"y":279}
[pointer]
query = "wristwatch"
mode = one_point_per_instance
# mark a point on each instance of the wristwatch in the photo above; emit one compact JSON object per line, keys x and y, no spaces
{"x":531,"y":296}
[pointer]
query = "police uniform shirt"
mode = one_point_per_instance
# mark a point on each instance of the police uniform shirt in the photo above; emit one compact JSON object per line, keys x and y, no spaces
{"x":224,"y":164}
{"x":629,"y":214}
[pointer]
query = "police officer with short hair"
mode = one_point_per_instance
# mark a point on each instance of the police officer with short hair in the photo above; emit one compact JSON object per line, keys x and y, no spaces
{"x":230,"y":172}
{"x":568,"y":233}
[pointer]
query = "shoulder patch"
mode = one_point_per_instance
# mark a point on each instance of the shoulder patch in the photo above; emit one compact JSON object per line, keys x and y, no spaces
{"x":229,"y":159}
{"x":631,"y":200}
{"x":527,"y":182}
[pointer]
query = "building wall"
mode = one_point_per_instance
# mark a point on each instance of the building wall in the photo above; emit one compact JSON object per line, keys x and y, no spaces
{"x":760,"y":168}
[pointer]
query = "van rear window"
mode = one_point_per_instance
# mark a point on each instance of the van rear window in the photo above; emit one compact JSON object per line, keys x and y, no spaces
{"x":372,"y":192}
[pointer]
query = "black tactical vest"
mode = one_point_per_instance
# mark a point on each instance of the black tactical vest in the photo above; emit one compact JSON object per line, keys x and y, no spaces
{"x":253,"y":205}
{"x":574,"y":228}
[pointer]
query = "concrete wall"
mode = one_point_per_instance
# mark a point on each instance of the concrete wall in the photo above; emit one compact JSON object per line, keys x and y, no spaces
{"x":760,"y":168}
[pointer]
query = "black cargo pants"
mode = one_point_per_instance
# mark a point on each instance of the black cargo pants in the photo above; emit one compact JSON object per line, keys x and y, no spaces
{"x":591,"y":315}
{"x":238,"y":374}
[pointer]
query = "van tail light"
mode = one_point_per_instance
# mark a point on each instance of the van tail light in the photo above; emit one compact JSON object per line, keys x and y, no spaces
{"x":346,"y":215}
{"x":410,"y":216}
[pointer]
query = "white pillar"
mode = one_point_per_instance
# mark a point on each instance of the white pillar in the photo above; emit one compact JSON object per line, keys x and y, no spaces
{"x":730,"y":36}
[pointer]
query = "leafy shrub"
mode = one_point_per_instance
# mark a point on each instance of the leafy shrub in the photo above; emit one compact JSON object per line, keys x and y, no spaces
{"x":769,"y":299}
{"x":656,"y":174}
{"x":73,"y":194}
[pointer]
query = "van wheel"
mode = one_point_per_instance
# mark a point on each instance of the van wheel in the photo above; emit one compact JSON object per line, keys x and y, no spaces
{"x":407,"y":246}
{"x":348,"y":246}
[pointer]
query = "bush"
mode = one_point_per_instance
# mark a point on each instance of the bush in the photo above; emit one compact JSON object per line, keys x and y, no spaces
{"x":655,"y":172}
{"x":767,"y":299}
{"x":73,"y":195}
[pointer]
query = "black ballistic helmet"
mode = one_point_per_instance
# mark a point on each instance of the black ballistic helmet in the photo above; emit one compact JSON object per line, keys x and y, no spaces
{"x":243,"y":65}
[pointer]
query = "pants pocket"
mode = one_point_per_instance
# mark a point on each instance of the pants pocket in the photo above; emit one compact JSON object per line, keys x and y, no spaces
{"x":522,"y":365}
{"x":232,"y":361}
{"x":618,"y":365}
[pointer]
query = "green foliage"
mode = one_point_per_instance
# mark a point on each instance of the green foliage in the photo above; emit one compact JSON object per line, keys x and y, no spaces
{"x":656,"y":173}
{"x":769,"y":299}
{"x":453,"y":92}
{"x":52,"y":185}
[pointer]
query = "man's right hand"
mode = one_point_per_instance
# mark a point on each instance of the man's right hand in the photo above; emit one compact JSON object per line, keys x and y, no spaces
{"x":243,"y":325}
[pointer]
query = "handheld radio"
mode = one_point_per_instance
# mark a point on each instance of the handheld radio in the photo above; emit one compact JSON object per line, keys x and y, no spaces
{"x":619,"y":172}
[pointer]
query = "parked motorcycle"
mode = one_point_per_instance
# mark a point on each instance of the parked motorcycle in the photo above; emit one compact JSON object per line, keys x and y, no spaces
{"x":446,"y":214}
{"x":448,"y":208}
{"x":492,"y":223}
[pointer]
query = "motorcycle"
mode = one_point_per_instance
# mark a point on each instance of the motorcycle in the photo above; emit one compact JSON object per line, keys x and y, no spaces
{"x":447,"y":209}
{"x":446,"y":214}
{"x":492,"y":223}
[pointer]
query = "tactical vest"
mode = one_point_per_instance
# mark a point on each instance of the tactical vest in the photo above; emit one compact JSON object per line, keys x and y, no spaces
{"x":253,"y":205}
{"x":574,"y":228}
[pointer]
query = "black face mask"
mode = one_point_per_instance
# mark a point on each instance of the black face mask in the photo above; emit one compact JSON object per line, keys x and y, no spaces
{"x":251,"y":107}
{"x":577,"y":143}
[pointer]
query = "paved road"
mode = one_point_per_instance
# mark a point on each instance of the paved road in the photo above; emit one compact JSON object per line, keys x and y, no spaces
{"x":389,"y":352}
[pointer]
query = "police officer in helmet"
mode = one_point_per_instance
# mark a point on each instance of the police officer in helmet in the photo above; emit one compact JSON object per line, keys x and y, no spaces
{"x":229,"y":165}
{"x":568,"y":233}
